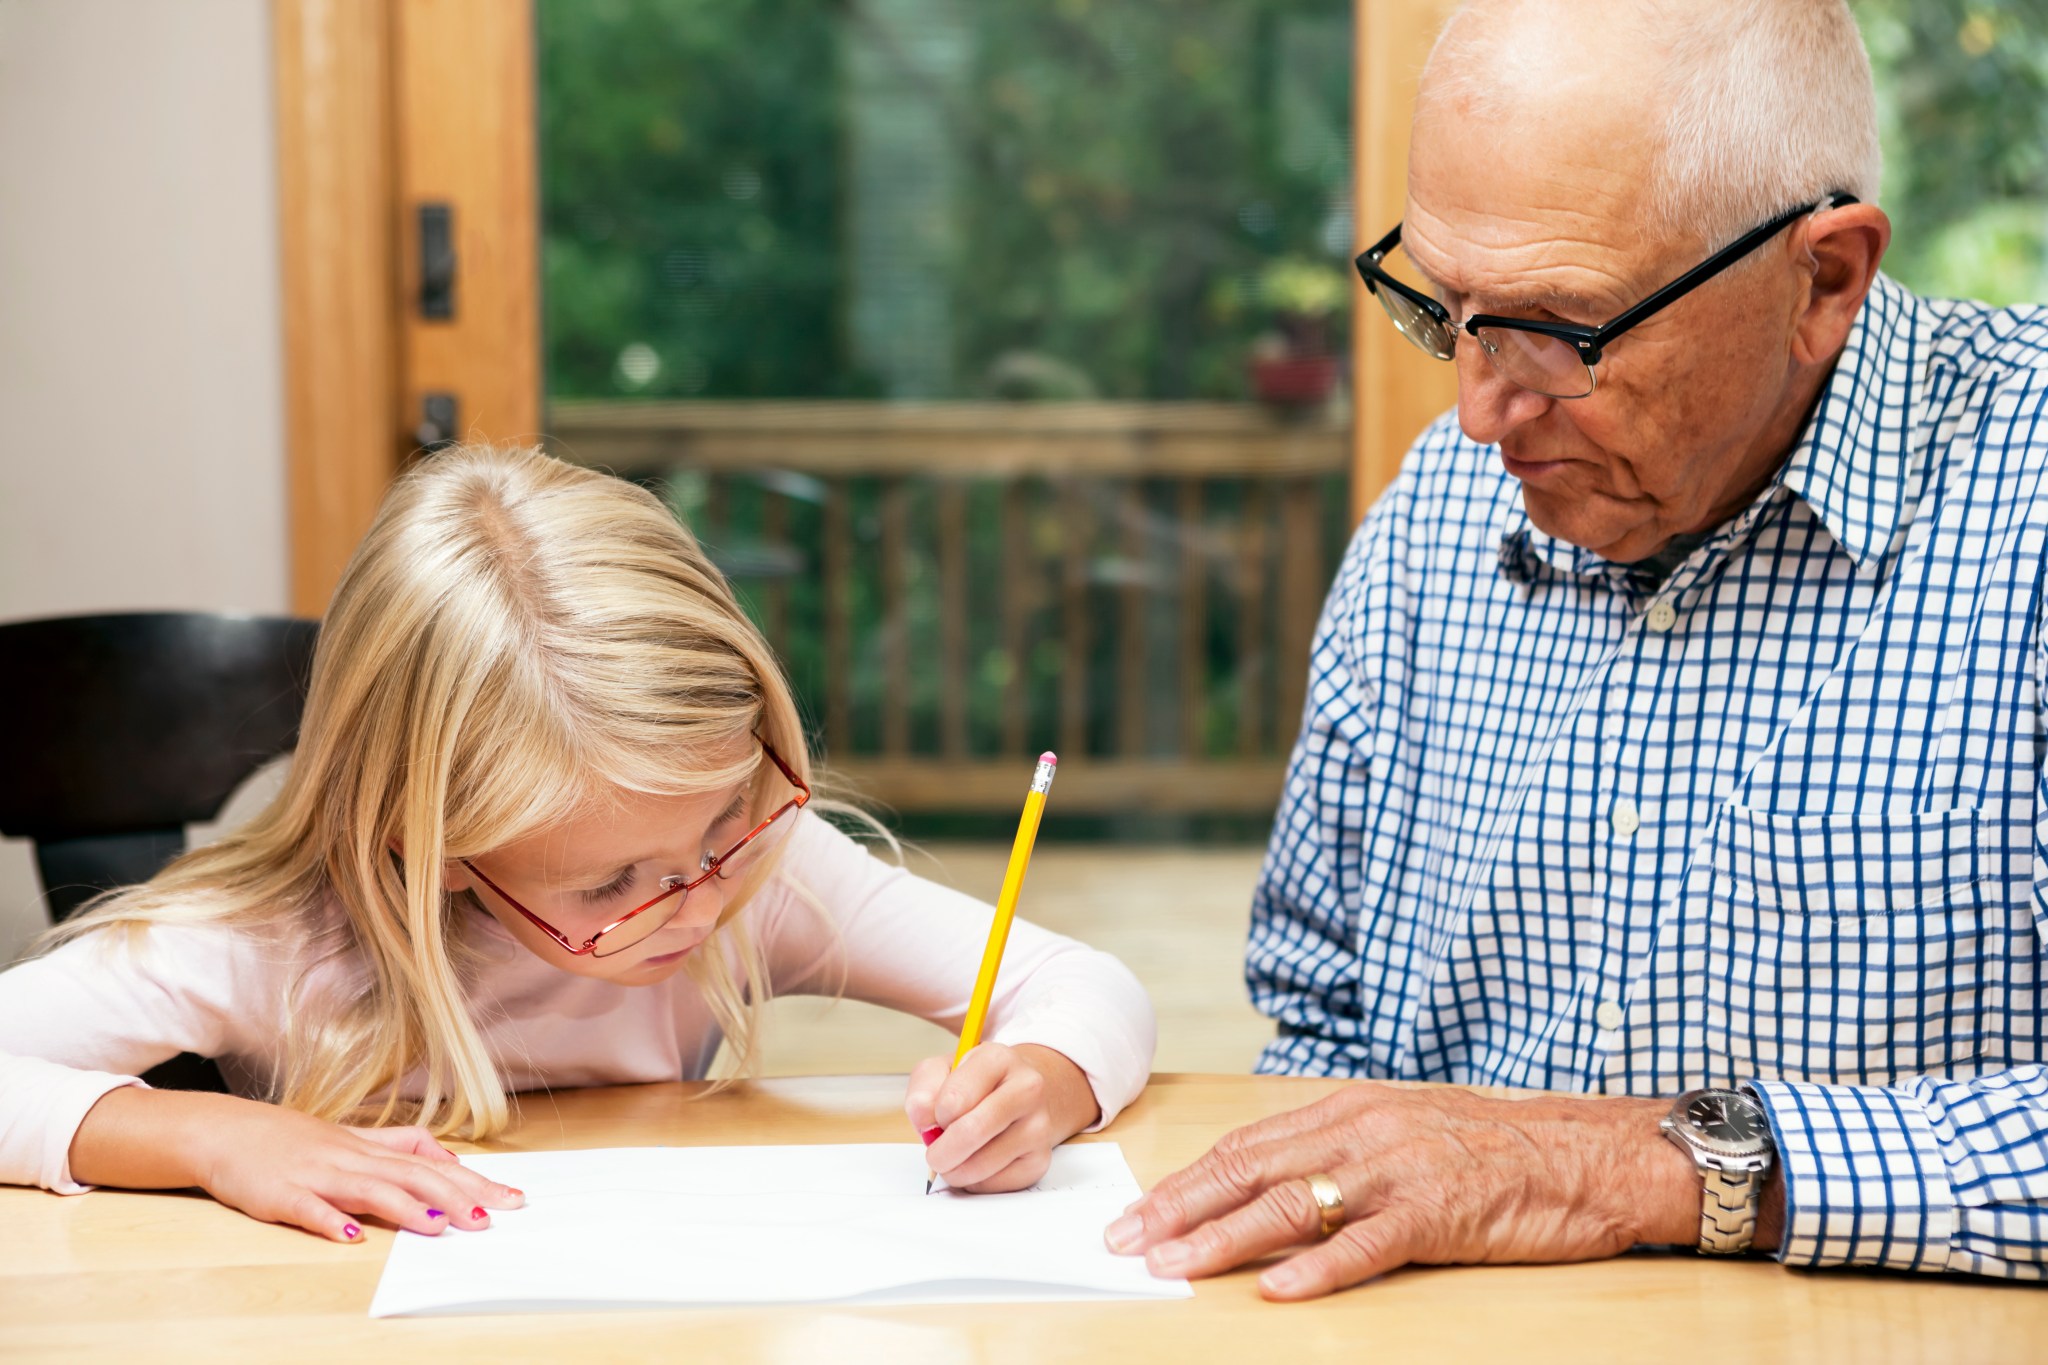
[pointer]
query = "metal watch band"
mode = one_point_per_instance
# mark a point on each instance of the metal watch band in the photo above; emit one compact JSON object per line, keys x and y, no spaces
{"x":1728,"y":1210}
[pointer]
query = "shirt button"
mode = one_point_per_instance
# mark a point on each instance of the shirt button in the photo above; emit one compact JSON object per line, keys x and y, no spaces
{"x":1609,"y":1016}
{"x":1625,"y":819}
{"x":1661,"y":617}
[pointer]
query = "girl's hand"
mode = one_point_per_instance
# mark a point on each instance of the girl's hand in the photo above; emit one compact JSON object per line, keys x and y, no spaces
{"x":282,"y":1166}
{"x":1004,"y":1109}
{"x":285,"y":1167}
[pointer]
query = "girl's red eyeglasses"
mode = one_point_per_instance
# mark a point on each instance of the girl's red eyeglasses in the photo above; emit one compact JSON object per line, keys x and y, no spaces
{"x":637,"y":925}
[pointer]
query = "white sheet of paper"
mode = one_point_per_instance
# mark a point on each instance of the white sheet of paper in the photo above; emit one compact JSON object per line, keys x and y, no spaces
{"x":643,"y":1227}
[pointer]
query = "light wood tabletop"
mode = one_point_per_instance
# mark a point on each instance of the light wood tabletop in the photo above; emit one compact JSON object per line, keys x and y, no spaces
{"x":175,"y":1276}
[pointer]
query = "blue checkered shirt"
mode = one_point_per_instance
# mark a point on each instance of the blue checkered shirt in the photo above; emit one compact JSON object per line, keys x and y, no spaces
{"x":1778,"y":820}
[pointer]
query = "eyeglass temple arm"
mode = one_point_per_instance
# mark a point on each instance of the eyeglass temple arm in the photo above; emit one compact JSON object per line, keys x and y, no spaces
{"x":1374,"y":274}
{"x":803,"y":787}
{"x":535,"y":920}
{"x":799,"y":801}
{"x":1377,"y":252}
{"x":1692,"y":279}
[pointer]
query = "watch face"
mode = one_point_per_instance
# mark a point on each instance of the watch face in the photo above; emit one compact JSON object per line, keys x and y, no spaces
{"x":1726,"y":1118}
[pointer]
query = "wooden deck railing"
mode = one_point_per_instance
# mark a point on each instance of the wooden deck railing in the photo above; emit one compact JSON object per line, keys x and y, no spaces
{"x":957,"y":586}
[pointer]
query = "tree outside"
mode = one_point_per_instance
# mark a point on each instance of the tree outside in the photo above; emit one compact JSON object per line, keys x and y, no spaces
{"x":937,"y":199}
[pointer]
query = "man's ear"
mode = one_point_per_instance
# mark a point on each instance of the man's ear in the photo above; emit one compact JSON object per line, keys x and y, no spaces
{"x":1843,"y":247}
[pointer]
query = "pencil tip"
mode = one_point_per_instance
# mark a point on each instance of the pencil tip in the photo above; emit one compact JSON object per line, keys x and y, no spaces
{"x":927,"y":1187}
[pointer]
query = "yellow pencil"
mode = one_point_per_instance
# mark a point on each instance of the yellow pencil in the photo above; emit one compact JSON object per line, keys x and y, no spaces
{"x":999,"y":930}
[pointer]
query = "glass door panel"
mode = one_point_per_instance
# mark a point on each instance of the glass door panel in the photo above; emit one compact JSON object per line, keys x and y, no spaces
{"x":992,"y":348}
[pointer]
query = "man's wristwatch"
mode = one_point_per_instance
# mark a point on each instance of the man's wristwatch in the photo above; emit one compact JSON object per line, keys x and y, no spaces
{"x":1727,"y":1137}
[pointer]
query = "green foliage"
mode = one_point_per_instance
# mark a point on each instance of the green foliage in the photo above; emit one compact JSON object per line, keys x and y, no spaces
{"x":1303,"y":287}
{"x":1963,"y":90}
{"x":1115,"y":175}
{"x":689,"y":194}
{"x":1133,"y":165}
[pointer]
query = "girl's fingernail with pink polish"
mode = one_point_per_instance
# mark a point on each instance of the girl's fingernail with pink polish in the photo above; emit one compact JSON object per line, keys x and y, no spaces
{"x":351,"y":1231}
{"x":435,"y":1213}
{"x":478,"y":1212}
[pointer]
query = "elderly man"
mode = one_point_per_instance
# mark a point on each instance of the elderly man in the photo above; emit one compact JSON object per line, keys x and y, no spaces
{"x":1676,"y":722}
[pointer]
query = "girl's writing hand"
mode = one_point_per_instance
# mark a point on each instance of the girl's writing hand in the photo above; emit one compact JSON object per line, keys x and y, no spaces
{"x":282,"y":1166}
{"x":1003,"y":1108}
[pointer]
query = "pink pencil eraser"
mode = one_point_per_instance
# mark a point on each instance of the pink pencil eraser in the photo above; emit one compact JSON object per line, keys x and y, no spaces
{"x":1049,"y":757}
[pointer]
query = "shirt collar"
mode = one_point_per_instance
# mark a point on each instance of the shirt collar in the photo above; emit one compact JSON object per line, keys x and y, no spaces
{"x":1860,"y":460}
{"x":1857,"y":463}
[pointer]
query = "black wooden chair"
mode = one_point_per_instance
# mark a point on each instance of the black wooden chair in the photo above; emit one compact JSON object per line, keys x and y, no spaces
{"x":116,"y":732}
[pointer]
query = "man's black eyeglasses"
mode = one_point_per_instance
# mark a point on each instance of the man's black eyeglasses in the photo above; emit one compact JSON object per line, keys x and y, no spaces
{"x":1553,"y":358}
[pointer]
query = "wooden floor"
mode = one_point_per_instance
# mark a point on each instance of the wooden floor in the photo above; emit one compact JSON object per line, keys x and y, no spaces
{"x":1175,"y":915}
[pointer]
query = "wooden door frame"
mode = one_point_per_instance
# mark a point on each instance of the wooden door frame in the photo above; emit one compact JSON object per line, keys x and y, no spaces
{"x":341,"y":360}
{"x":1397,"y":391}
{"x":381,"y":105}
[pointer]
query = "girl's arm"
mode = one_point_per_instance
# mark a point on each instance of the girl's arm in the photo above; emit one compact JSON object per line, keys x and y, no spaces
{"x":1069,"y":1024}
{"x":77,"y":1025}
{"x":91,"y":1016}
{"x":281,"y":1166}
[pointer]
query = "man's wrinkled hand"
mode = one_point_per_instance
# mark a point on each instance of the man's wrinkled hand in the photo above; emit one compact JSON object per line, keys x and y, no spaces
{"x":1431,"y":1176}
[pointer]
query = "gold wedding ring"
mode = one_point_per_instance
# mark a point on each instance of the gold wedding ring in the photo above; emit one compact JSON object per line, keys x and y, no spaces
{"x":1329,"y":1202}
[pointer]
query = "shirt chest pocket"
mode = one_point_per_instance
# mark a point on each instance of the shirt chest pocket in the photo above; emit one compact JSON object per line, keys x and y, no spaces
{"x":1851,"y":865}
{"x":1848,"y":949}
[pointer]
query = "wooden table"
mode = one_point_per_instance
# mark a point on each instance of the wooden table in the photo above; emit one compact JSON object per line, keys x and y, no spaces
{"x":173,"y":1276}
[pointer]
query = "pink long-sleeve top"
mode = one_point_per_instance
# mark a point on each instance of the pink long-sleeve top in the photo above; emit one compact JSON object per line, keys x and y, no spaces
{"x":90,"y":1016}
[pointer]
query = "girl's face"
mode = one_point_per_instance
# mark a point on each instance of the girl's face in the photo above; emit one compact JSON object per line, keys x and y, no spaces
{"x":584,"y":873}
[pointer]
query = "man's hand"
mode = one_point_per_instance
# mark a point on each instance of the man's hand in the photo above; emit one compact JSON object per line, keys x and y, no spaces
{"x":1432,"y":1176}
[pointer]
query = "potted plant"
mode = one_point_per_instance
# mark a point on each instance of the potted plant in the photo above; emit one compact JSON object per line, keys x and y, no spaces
{"x":1294,"y":364}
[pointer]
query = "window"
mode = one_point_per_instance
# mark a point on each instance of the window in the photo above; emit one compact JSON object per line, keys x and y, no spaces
{"x":991,"y":347}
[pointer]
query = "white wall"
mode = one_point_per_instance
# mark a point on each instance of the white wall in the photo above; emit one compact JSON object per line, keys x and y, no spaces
{"x":141,"y":379}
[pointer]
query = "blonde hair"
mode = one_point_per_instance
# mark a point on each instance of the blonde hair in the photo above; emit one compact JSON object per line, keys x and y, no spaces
{"x":1766,"y":104}
{"x":514,"y":639}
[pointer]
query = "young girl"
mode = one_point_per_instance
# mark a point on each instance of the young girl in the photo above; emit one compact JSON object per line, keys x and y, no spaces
{"x":548,"y":824}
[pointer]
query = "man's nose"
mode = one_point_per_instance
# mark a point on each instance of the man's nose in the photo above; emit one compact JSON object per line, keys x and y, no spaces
{"x":1489,"y":404}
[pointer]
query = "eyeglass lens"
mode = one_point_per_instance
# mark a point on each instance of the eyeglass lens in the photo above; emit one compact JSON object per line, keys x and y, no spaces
{"x":1417,"y":325}
{"x":1543,"y":364}
{"x":647,"y":923}
{"x":640,"y":928}
{"x":1546,"y":365}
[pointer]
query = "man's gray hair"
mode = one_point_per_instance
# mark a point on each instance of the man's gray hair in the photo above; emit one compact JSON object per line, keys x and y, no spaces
{"x":1769,"y":104}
